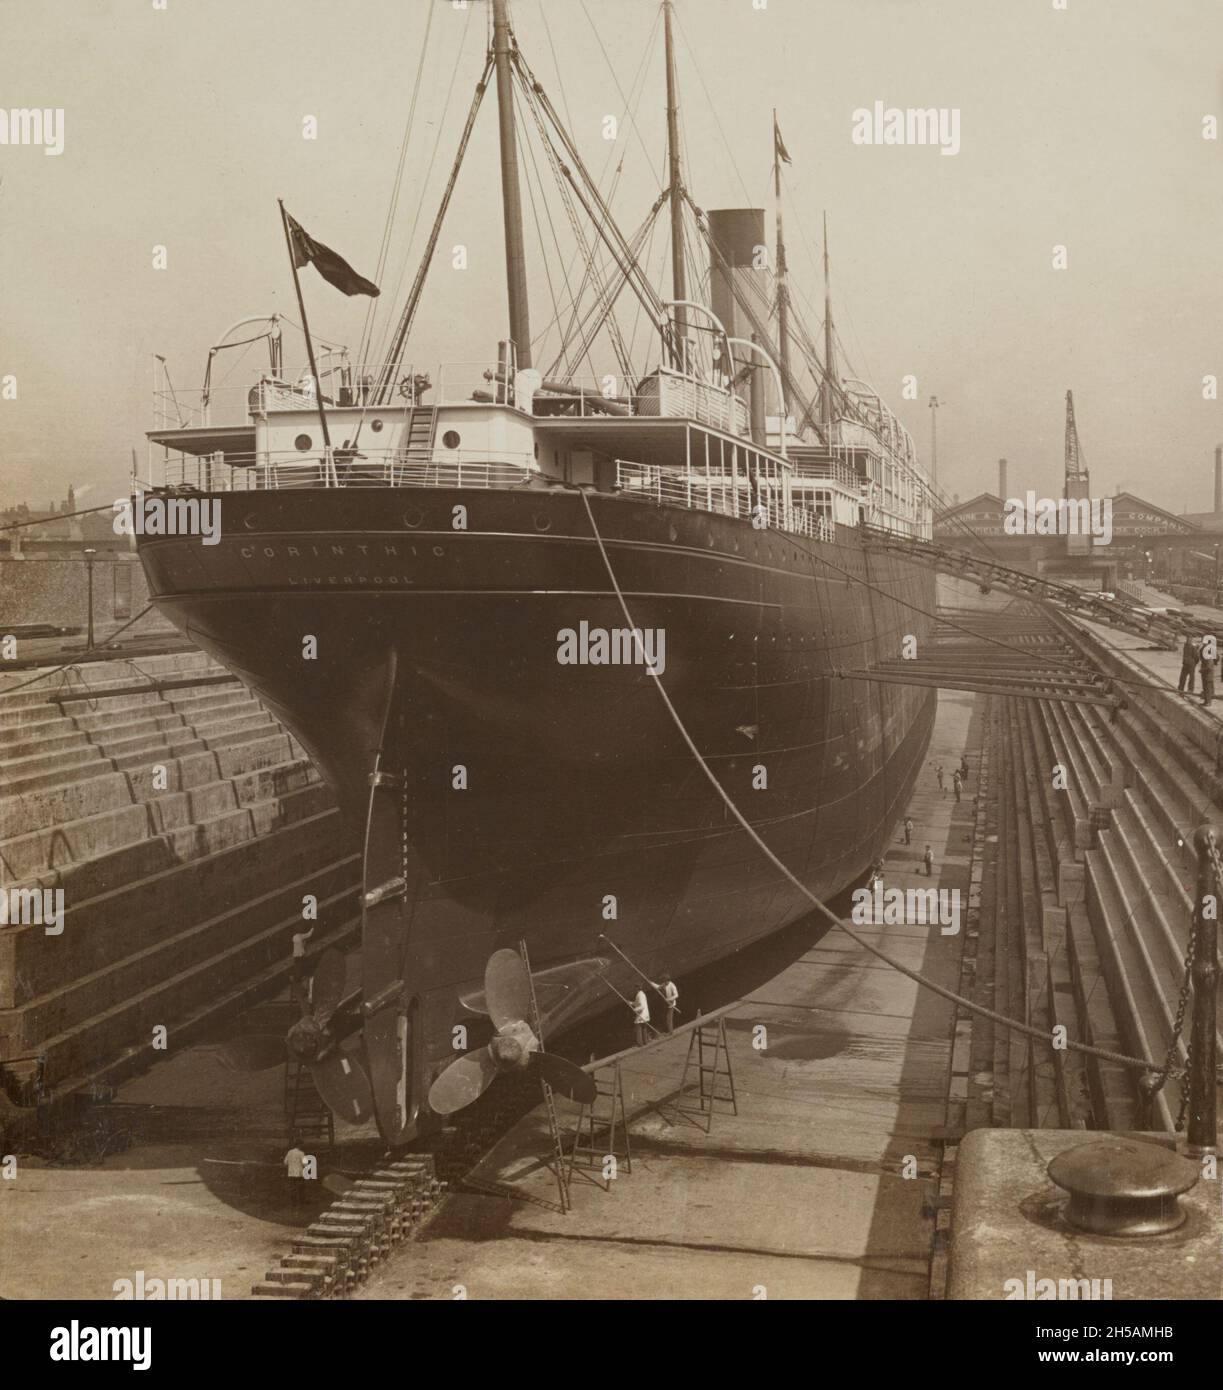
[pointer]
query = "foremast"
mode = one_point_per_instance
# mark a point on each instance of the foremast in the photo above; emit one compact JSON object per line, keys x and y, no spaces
{"x":511,"y":194}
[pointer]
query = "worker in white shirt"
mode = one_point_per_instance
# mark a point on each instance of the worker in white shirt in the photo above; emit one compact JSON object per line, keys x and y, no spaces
{"x":295,"y":1172}
{"x":641,"y":1017}
{"x":299,"y":953}
{"x":670,"y":994}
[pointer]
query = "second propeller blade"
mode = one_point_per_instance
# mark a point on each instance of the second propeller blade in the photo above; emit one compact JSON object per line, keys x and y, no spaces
{"x":341,"y":1081}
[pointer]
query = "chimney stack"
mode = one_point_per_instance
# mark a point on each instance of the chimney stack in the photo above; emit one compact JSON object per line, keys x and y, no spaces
{"x":1219,"y":480}
{"x":1002,"y":479}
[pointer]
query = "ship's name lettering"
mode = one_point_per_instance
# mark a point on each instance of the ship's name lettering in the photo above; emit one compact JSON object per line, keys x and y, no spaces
{"x":296,"y":552}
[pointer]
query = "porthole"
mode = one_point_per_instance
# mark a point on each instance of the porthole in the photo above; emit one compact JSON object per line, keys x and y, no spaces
{"x":376,"y":426}
{"x":303,"y":442}
{"x":413,"y":517}
{"x":451,"y":439}
{"x":542,"y":522}
{"x":438,"y":551}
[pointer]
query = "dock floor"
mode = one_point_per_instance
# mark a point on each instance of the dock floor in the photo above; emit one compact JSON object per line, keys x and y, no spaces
{"x":801,"y":1195}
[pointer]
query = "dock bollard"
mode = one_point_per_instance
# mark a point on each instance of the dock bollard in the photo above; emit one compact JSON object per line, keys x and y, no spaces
{"x":1123,"y":1187}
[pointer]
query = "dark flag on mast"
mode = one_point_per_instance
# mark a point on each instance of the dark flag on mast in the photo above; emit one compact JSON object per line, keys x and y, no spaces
{"x":778,"y":145}
{"x":332,"y":267}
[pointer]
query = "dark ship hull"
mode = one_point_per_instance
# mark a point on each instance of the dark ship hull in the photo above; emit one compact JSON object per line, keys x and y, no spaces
{"x":552,"y":802}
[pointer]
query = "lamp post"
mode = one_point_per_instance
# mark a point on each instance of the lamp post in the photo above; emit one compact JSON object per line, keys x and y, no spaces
{"x":90,"y":552}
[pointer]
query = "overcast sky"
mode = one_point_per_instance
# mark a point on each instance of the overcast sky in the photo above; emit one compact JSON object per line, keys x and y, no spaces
{"x":1080,"y":127}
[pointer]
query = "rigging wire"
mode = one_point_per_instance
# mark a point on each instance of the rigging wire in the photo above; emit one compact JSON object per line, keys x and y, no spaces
{"x":58,"y":516}
{"x":595,"y":264}
{"x":556,"y":66}
{"x":713,"y":108}
{"x":532,"y":167}
{"x":630,"y":106}
{"x":71,"y":665}
{"x":604,"y":298}
{"x":605,"y":224}
{"x":371,"y":308}
{"x":385,"y":341}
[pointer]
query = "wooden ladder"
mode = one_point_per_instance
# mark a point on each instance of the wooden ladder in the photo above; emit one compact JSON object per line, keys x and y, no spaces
{"x":306,"y":1111}
{"x":709,"y":1044}
{"x":595,"y":1139}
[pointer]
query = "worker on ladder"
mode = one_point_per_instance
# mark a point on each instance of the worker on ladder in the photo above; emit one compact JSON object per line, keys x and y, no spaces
{"x":641,"y":1017}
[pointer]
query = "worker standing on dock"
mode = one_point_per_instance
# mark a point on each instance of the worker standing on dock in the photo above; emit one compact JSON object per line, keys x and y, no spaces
{"x":939,"y":774}
{"x":957,"y":782}
{"x":964,"y":767}
{"x":295,"y":1172}
{"x":670,"y":994}
{"x":1189,"y":660}
{"x":928,"y":861}
{"x":1206,"y":667}
{"x":641,"y":1016}
{"x":908,"y":830}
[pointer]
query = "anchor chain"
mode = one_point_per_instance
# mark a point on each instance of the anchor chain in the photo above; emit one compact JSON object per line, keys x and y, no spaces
{"x":1158,"y":1080}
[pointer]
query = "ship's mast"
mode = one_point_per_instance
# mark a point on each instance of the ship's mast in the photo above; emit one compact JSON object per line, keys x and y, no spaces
{"x":511,"y":197}
{"x":829,"y":360}
{"x":679,"y":278}
{"x":783,"y":307}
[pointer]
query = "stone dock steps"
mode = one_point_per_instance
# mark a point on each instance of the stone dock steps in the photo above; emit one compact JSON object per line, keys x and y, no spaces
{"x":187,"y":832}
{"x":1086,"y":896}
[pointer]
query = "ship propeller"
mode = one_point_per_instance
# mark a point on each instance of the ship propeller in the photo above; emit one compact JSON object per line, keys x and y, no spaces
{"x":338,"y":1077}
{"x":507,"y":993}
{"x":314,"y":1040}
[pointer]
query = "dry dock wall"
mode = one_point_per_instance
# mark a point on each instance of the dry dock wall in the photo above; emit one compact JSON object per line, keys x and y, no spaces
{"x":184,"y":829}
{"x":44,"y":590}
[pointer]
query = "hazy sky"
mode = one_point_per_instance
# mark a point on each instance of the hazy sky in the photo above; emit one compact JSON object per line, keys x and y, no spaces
{"x":1080,"y":127}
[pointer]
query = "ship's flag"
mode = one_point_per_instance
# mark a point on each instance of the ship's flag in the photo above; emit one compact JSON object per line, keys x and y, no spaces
{"x":778,"y":144}
{"x":332,"y":267}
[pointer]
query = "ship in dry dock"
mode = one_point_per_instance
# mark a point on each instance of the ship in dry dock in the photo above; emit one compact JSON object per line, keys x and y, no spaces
{"x":424,"y":569}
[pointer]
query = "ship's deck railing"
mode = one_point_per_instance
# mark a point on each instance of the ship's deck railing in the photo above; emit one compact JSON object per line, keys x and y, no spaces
{"x":836,"y":470}
{"x":723,"y":496}
{"x":374,"y":468}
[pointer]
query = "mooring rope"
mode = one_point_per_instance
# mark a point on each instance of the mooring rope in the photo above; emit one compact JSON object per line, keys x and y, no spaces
{"x":1138,"y":1063}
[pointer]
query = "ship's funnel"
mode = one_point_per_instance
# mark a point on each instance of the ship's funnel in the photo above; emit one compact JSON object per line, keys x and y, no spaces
{"x":1002,"y":479}
{"x":738,"y":274}
{"x":1219,"y":480}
